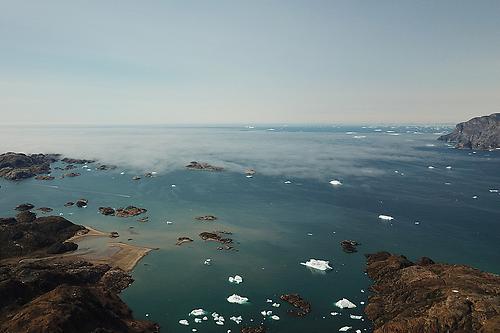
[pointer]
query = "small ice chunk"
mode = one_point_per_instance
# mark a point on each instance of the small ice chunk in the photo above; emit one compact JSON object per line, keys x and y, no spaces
{"x":309,"y":234}
{"x":237,"y":320}
{"x":183,"y":322}
{"x":493,"y":191}
{"x":263,"y":312}
{"x":269,"y":300}
{"x":269,"y":313}
{"x":335,"y":182}
{"x":237,"y":299}
{"x":287,"y":182}
{"x":122,"y":173}
{"x":448,"y":167}
{"x":430,"y":167}
{"x":169,"y":222}
{"x":249,"y":176}
{"x":355,"y":317}
{"x":321,"y":265}
{"x":345,"y":328}
{"x":361,"y":303}
{"x":359,"y":136}
{"x":358,"y":331}
{"x":386,"y":217}
{"x":197,"y":320}
{"x":207,"y":261}
{"x":362,"y":290}
{"x":197,"y":312}
{"x":276,"y":305}
{"x":275,"y":317}
{"x":334,"y":313}
{"x":236,"y":279}
{"x":147,"y":314}
{"x":474,"y":197}
{"x":173,"y":185}
{"x":345,"y":303}
{"x":219,"y":322}
{"x":194,"y":330}
{"x":205,"y":318}
{"x":454,"y":290}
{"x":417,"y":223}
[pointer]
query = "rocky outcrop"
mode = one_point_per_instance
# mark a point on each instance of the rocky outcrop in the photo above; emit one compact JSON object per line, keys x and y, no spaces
{"x":58,"y":294}
{"x":302,"y":307}
{"x":17,"y":166}
{"x":349,"y":246}
{"x":477,"y":133}
{"x":106,"y":211}
{"x":427,"y":297}
{"x":129,"y":211}
{"x":76,"y":161}
{"x":206,"y":218}
{"x":254,"y":329}
{"x":203,"y":166}
{"x":31,"y":234}
{"x":182,"y":240}
{"x":215,"y":237}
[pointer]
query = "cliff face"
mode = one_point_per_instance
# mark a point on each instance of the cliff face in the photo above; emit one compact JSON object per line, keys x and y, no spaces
{"x":427,"y":297}
{"x":477,"y":133}
{"x":47,"y":293}
{"x":16,"y":166}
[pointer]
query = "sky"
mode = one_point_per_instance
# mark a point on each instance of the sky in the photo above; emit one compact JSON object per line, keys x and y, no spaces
{"x":248,"y":62}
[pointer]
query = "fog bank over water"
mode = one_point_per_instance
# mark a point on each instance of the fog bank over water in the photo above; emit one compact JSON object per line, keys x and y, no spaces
{"x":304,"y":152}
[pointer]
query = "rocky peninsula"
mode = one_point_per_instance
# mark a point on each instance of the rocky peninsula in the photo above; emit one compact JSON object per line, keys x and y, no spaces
{"x":425,"y":296}
{"x":477,"y":133}
{"x":41,"y":291}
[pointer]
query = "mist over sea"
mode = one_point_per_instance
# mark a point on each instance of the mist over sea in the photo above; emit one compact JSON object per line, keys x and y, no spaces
{"x":443,"y":200}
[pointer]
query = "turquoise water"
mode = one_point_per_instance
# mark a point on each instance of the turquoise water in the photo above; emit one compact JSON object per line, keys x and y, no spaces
{"x":275,"y":225}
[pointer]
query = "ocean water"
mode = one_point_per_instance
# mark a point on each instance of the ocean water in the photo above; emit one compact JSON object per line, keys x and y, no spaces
{"x":275,"y":225}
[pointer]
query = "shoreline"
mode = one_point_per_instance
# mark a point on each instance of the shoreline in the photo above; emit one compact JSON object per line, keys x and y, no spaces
{"x":126,"y":257}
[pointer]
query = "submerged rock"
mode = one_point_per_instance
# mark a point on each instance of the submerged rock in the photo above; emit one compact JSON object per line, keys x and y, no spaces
{"x":71,"y":175}
{"x":477,"y":133}
{"x":69,"y":204}
{"x":430,"y":297}
{"x":45,"y":209}
{"x":302,"y":306}
{"x":203,"y":166}
{"x":212,"y":236}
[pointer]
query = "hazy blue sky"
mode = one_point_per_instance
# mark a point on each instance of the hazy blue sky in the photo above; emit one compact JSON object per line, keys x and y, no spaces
{"x":185,"y":61}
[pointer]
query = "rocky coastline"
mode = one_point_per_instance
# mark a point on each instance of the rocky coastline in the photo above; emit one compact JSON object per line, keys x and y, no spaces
{"x":429,"y":297}
{"x":478,"y":133}
{"x":44,"y":292}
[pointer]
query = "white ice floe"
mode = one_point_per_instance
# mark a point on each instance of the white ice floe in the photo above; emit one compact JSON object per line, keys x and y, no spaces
{"x":454,"y":290}
{"x":276,"y":305}
{"x":194,"y":330}
{"x":359,"y":136}
{"x":237,"y":320}
{"x":430,"y":167}
{"x":334,"y":313}
{"x":335,"y":182}
{"x":493,"y":191}
{"x":275,"y":317}
{"x":345,"y":328}
{"x":237,"y":299}
{"x":269,"y":300}
{"x":309,"y":234}
{"x":358,"y":331}
{"x":205,"y":318}
{"x":448,"y":167}
{"x":122,"y":173}
{"x":197,"y":320}
{"x":207,"y":261}
{"x":197,"y":312}
{"x":361,"y":303}
{"x":474,"y":197}
{"x":287,"y":182}
{"x":249,"y":176}
{"x":356,"y":317}
{"x":263,"y":312}
{"x":173,"y":185}
{"x":236,"y":279}
{"x":321,"y":265}
{"x":169,"y":222}
{"x":345,"y":303}
{"x":183,"y":322}
{"x":386,"y":217}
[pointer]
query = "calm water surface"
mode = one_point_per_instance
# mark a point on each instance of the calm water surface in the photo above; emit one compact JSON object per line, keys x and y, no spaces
{"x":275,"y":225}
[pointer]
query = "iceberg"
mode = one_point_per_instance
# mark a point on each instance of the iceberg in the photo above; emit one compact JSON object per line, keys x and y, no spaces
{"x":237,"y":320}
{"x":345,"y":303}
{"x":335,"y":182}
{"x":356,"y":317}
{"x":386,"y":217}
{"x":275,"y":317}
{"x":321,"y":265}
{"x":183,"y":322}
{"x":345,"y":328}
{"x":197,"y":312}
{"x":288,"y":182}
{"x":236,"y":279}
{"x":237,"y":299}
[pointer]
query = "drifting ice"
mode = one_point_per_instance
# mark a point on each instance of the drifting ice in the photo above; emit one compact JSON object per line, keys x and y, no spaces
{"x":197,"y":312}
{"x":237,"y":299}
{"x":345,"y":328}
{"x":236,"y":279}
{"x":386,"y":217}
{"x":183,"y":322}
{"x":321,"y":265}
{"x":335,"y":182}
